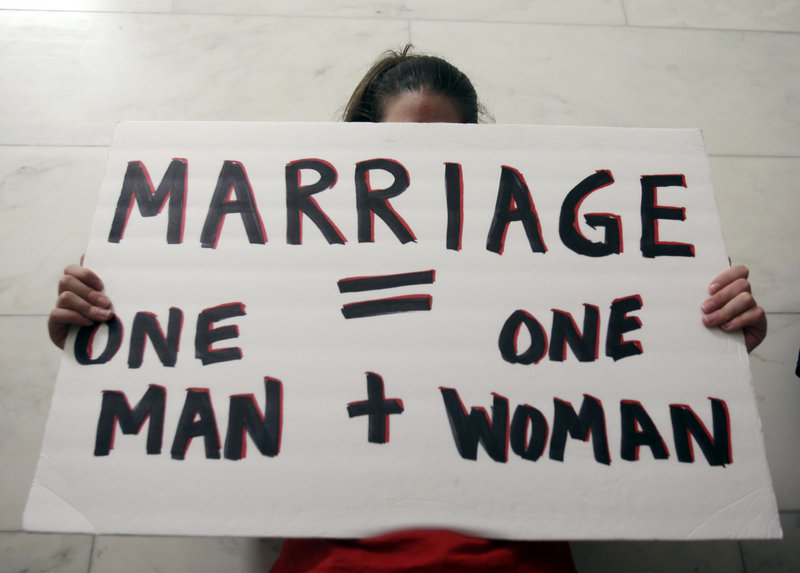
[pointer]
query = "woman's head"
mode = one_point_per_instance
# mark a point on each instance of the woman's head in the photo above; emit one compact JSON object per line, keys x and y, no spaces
{"x":408,"y":87}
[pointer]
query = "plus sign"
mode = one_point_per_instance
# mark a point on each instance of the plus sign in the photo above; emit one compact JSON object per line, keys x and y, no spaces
{"x":378,"y":408}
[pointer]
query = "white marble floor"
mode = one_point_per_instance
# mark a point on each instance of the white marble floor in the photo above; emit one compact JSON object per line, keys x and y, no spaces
{"x":71,"y":69}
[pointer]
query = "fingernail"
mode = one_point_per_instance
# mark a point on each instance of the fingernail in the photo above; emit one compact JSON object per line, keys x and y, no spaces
{"x":708,"y":306}
{"x":105,"y":314}
{"x":708,"y":320}
{"x":103,"y":300}
{"x":713,"y":287}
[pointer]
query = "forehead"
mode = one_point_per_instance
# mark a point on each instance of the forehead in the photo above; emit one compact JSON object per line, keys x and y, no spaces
{"x":421,"y":107}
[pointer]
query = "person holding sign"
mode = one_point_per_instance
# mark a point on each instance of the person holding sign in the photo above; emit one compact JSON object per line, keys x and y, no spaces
{"x":402,"y":87}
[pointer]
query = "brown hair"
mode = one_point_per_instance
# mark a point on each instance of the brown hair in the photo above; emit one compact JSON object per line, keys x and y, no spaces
{"x":396,"y":73}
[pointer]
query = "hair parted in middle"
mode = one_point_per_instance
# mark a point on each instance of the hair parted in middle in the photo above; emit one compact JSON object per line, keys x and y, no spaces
{"x":399,"y":72}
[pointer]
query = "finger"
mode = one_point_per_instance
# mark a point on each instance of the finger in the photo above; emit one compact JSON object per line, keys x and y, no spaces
{"x":756,"y":331}
{"x":727,"y":277}
{"x":88,"y":292}
{"x":737,"y":306}
{"x":754,"y":317}
{"x":85,"y":275}
{"x":725,"y":295}
{"x":57,"y":331}
{"x":59,"y":321}
{"x":70,"y":302}
{"x":63,"y":316}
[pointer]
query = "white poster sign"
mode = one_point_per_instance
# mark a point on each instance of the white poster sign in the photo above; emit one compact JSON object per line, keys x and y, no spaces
{"x":345,"y":330}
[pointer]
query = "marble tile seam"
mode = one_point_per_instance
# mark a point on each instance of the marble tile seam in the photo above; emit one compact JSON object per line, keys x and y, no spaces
{"x":703,"y":29}
{"x":489,"y":22}
{"x":27,"y":315}
{"x":746,"y":156}
{"x":741,"y":556}
{"x":90,"y":565}
{"x":686,"y":29}
{"x":57,"y":145}
{"x":411,"y":20}
{"x":319,"y":17}
{"x":59,"y":533}
{"x":146,"y":12}
{"x":400,"y":19}
{"x":609,"y":26}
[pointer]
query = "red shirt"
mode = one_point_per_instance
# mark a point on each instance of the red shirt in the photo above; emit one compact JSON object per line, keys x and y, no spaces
{"x":439,"y":551}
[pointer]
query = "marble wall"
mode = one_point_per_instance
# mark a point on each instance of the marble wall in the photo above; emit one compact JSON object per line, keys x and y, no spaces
{"x":71,"y":69}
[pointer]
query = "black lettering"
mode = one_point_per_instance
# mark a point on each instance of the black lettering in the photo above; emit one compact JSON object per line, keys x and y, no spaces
{"x":245,"y":417}
{"x":85,"y":338}
{"x":638,"y":430}
{"x":590,"y":422}
{"x":470,"y":429}
{"x":137,"y":186}
{"x":299,"y":201}
{"x":525,"y":417}
{"x":619,"y":323}
{"x":115,"y":409}
{"x":232,"y":180}
{"x":145,"y":324}
{"x":565,"y":331}
{"x":197,"y":419}
{"x":376,"y":201}
{"x":686,"y":425}
{"x":206,"y":335}
{"x":651,"y":212}
{"x":510,"y":333}
{"x":570,"y":231}
{"x":514,"y":203}
{"x":454,"y":193}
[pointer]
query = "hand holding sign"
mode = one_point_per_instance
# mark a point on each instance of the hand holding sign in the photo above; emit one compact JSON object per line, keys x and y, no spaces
{"x":80,"y":302}
{"x":732,"y":306}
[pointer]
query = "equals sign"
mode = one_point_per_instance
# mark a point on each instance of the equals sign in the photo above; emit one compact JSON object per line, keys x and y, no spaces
{"x":391,"y":305}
